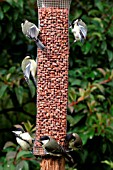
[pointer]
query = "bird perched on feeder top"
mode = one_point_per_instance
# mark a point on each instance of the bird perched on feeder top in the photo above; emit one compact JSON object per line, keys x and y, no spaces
{"x":51,"y":147}
{"x":31,"y":31}
{"x":74,"y":142}
{"x":79,"y":30}
{"x":29,"y":69}
{"x":23,"y":138}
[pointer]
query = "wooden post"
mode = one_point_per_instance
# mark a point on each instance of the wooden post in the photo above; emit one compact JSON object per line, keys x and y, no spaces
{"x":53,"y":164}
{"x":52,"y":75}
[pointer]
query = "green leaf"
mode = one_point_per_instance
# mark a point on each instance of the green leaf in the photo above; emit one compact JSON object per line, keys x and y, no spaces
{"x":110,"y":55}
{"x":13,"y":37}
{"x":9,"y":166}
{"x":91,"y":133}
{"x":103,"y":47}
{"x":2,"y":90}
{"x":100,"y":97}
{"x":8,"y":76}
{"x":104,"y":148}
{"x":86,"y":48}
{"x":97,"y":34}
{"x":77,"y":13}
{"x":34,"y":162}
{"x":78,"y":118}
{"x":99,"y":86}
{"x":26,"y":165}
{"x":76,"y":82}
{"x":28,"y":126}
{"x":111,"y":110}
{"x":81,"y":92}
{"x":10,"y":1}
{"x":98,"y":23}
{"x":20,"y":3}
{"x":19,"y":93}
{"x":9,"y":28}
{"x":23,"y":165}
{"x":110,"y":163}
{"x":6,"y":8}
{"x":1,"y":14}
{"x":84,"y":137}
{"x":93,"y":12}
{"x":3,"y":71}
{"x":99,"y":5}
{"x":74,"y":120}
{"x":1,"y":168}
{"x":32,"y":89}
{"x":12,"y":69}
{"x":30,"y":107}
{"x":15,"y":17}
{"x":21,"y":154}
{"x":72,"y":94}
{"x":8,"y":144}
{"x":10,"y":155}
{"x":71,"y":120}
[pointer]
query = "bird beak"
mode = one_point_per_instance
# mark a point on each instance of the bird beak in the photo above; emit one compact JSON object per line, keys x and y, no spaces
{"x":14,"y":131}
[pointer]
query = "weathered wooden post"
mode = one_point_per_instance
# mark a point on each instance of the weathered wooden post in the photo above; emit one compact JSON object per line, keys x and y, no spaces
{"x":52,"y":73}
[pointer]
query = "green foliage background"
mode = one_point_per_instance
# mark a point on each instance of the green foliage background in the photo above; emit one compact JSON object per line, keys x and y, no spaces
{"x":90,"y":106}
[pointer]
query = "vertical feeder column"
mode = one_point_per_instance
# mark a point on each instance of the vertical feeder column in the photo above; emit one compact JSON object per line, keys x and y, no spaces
{"x":52,"y":73}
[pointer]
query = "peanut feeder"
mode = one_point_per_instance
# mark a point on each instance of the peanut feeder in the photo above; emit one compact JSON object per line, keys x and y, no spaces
{"x":52,"y":72}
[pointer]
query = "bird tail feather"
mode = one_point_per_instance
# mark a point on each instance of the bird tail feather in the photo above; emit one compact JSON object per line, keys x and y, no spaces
{"x":39,"y":44}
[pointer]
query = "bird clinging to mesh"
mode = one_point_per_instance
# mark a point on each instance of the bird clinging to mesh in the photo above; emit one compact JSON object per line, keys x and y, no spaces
{"x":31,"y":31}
{"x":79,"y":30}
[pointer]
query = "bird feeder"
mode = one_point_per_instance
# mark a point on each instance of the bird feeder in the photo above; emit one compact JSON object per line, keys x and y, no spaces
{"x":52,"y":72}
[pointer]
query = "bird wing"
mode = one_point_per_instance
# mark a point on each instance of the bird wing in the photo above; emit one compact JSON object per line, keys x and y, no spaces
{"x":27,"y":70}
{"x":33,"y":32}
{"x":54,"y":148}
{"x":26,"y":137}
{"x":33,"y":72}
{"x":83,"y":31}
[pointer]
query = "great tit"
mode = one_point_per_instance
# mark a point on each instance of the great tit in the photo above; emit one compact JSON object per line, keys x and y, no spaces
{"x":31,"y":31}
{"x":23,"y":139}
{"x":29,"y":67}
{"x":79,"y":30}
{"x":74,"y":142}
{"x":52,"y":148}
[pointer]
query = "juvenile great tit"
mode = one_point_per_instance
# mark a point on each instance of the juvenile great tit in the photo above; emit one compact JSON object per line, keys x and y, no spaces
{"x":23,"y":139}
{"x":31,"y":31}
{"x":29,"y":69}
{"x":74,"y":142}
{"x":79,"y":30}
{"x":52,"y":148}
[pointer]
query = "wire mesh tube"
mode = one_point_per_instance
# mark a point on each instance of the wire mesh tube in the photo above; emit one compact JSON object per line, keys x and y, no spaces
{"x":54,"y":3}
{"x":52,"y":72}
